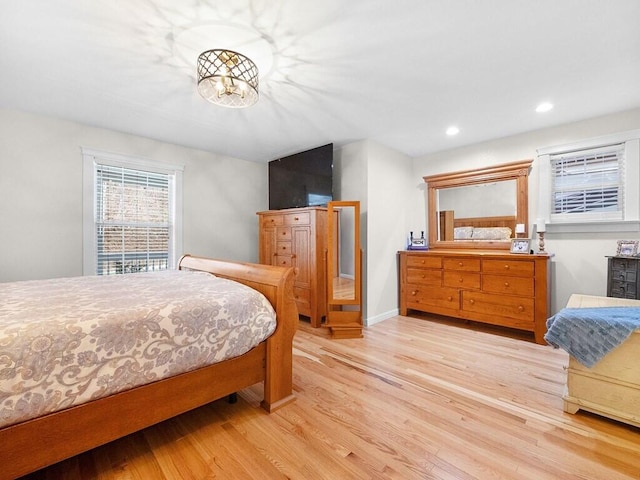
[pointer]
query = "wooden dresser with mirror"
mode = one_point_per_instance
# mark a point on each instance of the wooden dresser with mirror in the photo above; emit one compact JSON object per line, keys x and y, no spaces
{"x":468,"y":271}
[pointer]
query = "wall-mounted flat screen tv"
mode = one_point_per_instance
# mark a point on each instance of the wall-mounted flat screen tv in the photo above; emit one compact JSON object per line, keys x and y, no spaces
{"x":303,"y":179}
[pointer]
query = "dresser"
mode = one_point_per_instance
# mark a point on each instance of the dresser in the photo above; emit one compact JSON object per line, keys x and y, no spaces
{"x":509,"y":290}
{"x":297,"y":237}
{"x":622,"y":277}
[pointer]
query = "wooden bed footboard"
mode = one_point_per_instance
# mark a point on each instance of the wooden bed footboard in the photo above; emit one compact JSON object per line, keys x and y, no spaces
{"x":31,"y":445}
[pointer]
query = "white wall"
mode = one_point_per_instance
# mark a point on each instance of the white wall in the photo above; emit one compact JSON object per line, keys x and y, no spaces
{"x":377,"y":176}
{"x":579,"y":264}
{"x":41,"y":195}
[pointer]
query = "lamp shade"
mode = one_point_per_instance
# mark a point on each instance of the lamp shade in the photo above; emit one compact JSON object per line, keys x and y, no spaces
{"x":227,"y":78}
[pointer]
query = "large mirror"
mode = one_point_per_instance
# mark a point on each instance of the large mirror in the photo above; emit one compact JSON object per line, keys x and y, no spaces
{"x":482,"y":208}
{"x":344,"y":269}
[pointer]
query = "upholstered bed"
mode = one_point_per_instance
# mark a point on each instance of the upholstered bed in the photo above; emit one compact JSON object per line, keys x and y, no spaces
{"x":86,"y":360}
{"x":610,"y":387}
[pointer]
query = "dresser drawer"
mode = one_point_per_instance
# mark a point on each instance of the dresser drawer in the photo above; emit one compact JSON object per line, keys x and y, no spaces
{"x":271,"y":220}
{"x":461,"y":264}
{"x":618,"y":263}
{"x":424,"y":261}
{"x":424,"y":276}
{"x":521,"y":268}
{"x":302,"y":297}
{"x":283,"y":248}
{"x":283,"y":261}
{"x":519,"y":308}
{"x":623,"y":290}
{"x":624,"y":275}
{"x":420,"y":296}
{"x":508,"y":285}
{"x":461,"y":279}
{"x":301,"y":218}
{"x":283,"y":233}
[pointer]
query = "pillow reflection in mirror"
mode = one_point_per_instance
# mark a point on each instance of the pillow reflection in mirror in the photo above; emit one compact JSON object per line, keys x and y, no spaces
{"x":462,"y":233}
{"x":491,"y":233}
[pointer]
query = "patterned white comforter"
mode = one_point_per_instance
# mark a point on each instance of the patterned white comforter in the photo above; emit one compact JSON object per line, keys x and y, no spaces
{"x":66,"y":341}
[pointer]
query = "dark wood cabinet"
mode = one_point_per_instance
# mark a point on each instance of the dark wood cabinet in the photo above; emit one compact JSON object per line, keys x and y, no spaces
{"x":622,"y":277}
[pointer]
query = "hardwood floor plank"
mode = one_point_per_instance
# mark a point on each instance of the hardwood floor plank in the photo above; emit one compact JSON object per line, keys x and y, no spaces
{"x":413,"y":399}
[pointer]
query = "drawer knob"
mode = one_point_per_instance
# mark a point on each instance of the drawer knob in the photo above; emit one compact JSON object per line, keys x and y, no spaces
{"x":472,"y":301}
{"x":520,"y":308}
{"x":414,"y":293}
{"x":622,"y":276}
{"x":296,"y":218}
{"x":284,"y":233}
{"x":424,"y":276}
{"x":506,"y":267}
{"x":422,"y":262}
{"x":450,"y":298}
{"x":275,"y":254}
{"x":461,"y":279}
{"x":460,"y":264}
{"x":506,"y":284}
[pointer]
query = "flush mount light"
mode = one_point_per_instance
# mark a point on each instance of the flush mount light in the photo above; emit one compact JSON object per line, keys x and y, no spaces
{"x":227,"y":78}
{"x":544,"y":107}
{"x":453,"y":130}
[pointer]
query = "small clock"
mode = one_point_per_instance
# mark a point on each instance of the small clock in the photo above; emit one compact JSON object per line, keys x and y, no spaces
{"x":520,"y":245}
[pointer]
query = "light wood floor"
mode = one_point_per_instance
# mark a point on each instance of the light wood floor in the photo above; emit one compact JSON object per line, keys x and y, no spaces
{"x":413,"y":399}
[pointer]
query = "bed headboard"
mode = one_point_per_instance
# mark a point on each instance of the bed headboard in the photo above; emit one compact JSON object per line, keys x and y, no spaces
{"x":448,"y":223}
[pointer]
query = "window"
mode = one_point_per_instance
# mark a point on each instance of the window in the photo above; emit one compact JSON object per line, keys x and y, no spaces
{"x":588,"y":184}
{"x":131,"y":222}
{"x":591,"y":182}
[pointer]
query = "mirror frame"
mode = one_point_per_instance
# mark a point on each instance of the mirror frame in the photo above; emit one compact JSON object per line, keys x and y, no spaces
{"x":518,"y":171}
{"x":332,"y":208}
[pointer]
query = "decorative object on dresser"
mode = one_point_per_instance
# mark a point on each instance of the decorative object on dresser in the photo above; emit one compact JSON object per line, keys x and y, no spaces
{"x":520,"y":245}
{"x":297,"y":237}
{"x":344,"y":270}
{"x":484,"y":286}
{"x":541,"y":227}
{"x":622,"y":277}
{"x":627,"y":248}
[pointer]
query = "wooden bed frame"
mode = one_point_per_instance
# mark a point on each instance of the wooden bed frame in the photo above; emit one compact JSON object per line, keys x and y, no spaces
{"x":611,"y":387}
{"x":448,"y":222}
{"x":31,"y":445}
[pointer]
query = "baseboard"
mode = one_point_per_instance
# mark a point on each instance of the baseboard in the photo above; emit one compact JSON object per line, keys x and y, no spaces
{"x":379,"y":318}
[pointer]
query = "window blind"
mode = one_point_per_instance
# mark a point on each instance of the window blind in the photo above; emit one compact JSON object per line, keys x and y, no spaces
{"x":133,"y":220}
{"x":588,"y":183}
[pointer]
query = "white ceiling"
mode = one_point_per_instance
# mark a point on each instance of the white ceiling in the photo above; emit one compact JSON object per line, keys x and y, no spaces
{"x":398,"y":72}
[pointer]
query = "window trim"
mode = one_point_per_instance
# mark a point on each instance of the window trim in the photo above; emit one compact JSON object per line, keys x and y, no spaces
{"x":91,"y":157}
{"x":631,"y":185}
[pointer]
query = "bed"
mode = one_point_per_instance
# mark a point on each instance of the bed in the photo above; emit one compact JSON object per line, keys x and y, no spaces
{"x":611,"y":387}
{"x":476,"y":228}
{"x":78,"y":428}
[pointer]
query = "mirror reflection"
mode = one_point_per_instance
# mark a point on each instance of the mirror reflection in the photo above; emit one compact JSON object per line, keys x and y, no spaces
{"x":482,"y":205}
{"x":343,"y":271}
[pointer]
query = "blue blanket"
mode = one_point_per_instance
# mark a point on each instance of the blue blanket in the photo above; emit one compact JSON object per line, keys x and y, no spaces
{"x":588,"y":334}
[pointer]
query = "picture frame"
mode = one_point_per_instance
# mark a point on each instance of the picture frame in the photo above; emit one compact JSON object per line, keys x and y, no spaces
{"x":627,"y":248}
{"x":520,"y":245}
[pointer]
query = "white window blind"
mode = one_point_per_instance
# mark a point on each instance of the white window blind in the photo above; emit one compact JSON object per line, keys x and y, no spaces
{"x":588,"y":184}
{"x":133,"y":220}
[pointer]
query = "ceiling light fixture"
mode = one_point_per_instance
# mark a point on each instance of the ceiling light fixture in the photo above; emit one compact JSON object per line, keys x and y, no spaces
{"x":227,"y":78}
{"x":544,"y":107}
{"x":453,"y":130}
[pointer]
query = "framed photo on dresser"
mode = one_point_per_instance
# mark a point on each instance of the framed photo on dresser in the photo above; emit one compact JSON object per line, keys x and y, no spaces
{"x":627,"y":248}
{"x":520,"y":245}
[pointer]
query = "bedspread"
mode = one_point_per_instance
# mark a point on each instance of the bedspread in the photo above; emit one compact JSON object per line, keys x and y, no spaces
{"x":67,"y":341}
{"x":588,"y":334}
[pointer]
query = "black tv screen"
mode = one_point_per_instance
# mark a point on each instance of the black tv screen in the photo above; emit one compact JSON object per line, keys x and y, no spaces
{"x":304,"y":179}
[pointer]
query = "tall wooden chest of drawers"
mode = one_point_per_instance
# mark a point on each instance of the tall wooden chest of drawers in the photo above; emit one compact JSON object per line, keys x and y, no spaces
{"x":623,"y":277}
{"x":297,"y":237}
{"x":510,"y":290}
